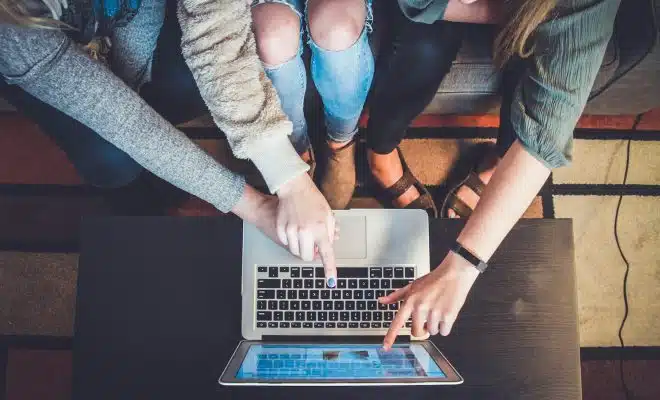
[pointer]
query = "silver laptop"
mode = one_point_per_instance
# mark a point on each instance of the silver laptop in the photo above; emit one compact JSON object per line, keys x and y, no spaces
{"x":300,"y":332}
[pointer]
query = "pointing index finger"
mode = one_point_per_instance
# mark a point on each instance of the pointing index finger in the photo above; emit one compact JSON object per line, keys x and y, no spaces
{"x":398,"y":323}
{"x":327,"y":254}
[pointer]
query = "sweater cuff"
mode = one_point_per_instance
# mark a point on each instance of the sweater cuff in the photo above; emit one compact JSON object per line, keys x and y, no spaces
{"x":277,"y":161}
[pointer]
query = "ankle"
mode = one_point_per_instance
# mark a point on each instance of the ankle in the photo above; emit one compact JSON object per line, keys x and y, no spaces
{"x":381,"y":163}
{"x":336,"y":146}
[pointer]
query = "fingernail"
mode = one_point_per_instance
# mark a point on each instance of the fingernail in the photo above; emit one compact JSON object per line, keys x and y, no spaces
{"x":331,"y":282}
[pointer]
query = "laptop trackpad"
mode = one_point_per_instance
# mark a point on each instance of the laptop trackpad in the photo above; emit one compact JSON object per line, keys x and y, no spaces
{"x":352,"y":241}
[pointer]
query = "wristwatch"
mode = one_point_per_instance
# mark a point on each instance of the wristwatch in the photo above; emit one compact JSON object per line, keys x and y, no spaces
{"x":468,"y":256}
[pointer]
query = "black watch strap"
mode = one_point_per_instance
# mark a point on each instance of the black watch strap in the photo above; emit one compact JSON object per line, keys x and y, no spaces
{"x":478,"y":263}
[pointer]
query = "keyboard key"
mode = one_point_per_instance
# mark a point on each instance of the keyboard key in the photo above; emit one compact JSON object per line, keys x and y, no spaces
{"x":342,"y":325}
{"x":341,"y":283}
{"x":394,"y":306}
{"x":278,"y":316}
{"x":353,"y":272}
{"x":317,"y":305}
{"x":300,"y":315}
{"x":376,"y":325}
{"x":294,"y":305}
{"x":399,"y":283}
{"x":265,"y":294}
{"x":295,"y":272}
{"x":261,"y":305}
{"x":314,"y":294}
{"x":382,"y":306}
{"x":284,"y":305}
{"x":385,"y":283}
{"x":308,"y":272}
{"x":284,"y":269}
{"x":336,"y":295}
{"x":264,"y":316}
{"x":387,"y":324}
{"x":281,"y":294}
{"x":358,"y":294}
{"x":330,"y":325}
{"x":349,"y":305}
{"x":339,"y":305}
{"x":308,"y":284}
{"x":353,"y":325}
{"x":303,"y":294}
{"x":389,"y":316}
{"x":372,"y":305}
{"x":262,"y":269}
{"x":325,"y":294}
{"x":306,"y":305}
{"x":285,"y":324}
{"x":289,"y":316}
{"x":369,"y":294}
{"x":311,"y":316}
{"x":363,"y":283}
{"x":398,"y":272}
{"x":347,"y":294}
{"x":355,"y":316}
{"x":292,"y":294}
{"x":377,"y":316}
{"x":272,"y":272}
{"x":297,"y":284}
{"x":320,"y":273}
{"x":327,"y":305}
{"x":408,"y":324}
{"x":318,"y":325}
{"x":345,"y":316}
{"x":364,"y":325}
{"x":333,"y":316}
{"x":296,"y":324}
{"x":388,"y":272}
{"x":361,"y":305}
{"x":366,"y":316}
{"x":376,"y":272}
{"x":272,"y":324}
{"x":262,"y":325}
{"x":308,"y":325}
{"x":374,"y":284}
{"x":322,"y":315}
{"x":272,"y":304}
{"x":352,"y":283}
{"x":319,"y":283}
{"x":287,"y":283}
{"x":410,"y":272}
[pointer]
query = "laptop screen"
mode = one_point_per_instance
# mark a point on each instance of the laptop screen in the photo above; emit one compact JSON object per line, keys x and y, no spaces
{"x":351,"y":362}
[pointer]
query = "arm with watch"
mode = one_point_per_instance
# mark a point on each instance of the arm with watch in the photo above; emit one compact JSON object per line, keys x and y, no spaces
{"x":435,"y":300}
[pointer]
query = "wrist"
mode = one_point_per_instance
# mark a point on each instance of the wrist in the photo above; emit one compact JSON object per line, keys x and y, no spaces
{"x":293,"y":186}
{"x":461,"y":266}
{"x":250,"y":204}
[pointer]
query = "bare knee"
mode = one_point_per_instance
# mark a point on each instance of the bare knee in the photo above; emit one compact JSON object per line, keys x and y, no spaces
{"x":336,"y":24}
{"x":277,"y":32}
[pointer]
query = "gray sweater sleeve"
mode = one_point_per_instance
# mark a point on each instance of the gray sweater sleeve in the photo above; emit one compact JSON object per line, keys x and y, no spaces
{"x":47,"y":65}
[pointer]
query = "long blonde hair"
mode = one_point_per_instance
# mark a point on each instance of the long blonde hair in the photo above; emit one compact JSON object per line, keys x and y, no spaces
{"x":516,"y":36}
{"x":15,"y":12}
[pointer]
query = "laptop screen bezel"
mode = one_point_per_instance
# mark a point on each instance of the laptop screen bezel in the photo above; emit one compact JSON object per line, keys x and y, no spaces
{"x":228,"y":377}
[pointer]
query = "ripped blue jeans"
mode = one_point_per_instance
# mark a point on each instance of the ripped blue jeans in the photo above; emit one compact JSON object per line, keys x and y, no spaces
{"x":342,"y":78}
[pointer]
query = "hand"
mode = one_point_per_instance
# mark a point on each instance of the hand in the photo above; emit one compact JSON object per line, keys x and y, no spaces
{"x":305,"y":224}
{"x":434,"y":300}
{"x":260,"y":210}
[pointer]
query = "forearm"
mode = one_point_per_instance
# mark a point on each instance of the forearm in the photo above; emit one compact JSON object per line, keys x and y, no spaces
{"x":516,"y":181}
{"x":57,"y":73}
{"x":219,"y":47}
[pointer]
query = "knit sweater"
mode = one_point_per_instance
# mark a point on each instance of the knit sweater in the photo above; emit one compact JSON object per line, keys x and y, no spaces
{"x":219,"y":46}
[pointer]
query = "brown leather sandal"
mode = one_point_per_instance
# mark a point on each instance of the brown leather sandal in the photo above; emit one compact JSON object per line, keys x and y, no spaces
{"x":387,"y":196}
{"x":472,"y":181}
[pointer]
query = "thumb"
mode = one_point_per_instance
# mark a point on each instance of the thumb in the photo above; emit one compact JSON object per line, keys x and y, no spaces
{"x":395,"y":296}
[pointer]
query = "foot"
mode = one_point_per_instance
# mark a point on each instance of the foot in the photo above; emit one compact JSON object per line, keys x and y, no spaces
{"x":338,"y":183}
{"x":469,"y":197}
{"x":387,"y":170}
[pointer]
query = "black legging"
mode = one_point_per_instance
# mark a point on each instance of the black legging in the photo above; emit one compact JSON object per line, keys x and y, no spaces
{"x":414,"y":59}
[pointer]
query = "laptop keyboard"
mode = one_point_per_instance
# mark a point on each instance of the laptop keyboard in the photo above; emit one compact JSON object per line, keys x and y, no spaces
{"x":296,"y":297}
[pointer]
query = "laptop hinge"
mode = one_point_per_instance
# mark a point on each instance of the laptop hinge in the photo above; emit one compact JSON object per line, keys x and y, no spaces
{"x":332,"y":339}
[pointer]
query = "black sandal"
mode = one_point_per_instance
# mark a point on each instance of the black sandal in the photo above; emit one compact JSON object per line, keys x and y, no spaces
{"x":472,"y":181}
{"x":387,"y":196}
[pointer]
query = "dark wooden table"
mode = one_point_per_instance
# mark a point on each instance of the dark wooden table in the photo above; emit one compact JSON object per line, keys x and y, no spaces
{"x":158,"y":315}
